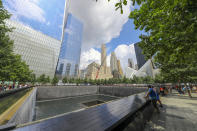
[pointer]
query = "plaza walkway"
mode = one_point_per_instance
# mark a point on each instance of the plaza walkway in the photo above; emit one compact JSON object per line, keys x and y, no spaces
{"x":178,"y":114}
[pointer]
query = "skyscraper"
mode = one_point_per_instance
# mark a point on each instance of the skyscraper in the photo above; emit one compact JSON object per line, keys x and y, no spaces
{"x":120,"y":68}
{"x":114,"y":65}
{"x":70,"y":49}
{"x":103,"y":57}
{"x":139,"y":56}
{"x":113,"y":62}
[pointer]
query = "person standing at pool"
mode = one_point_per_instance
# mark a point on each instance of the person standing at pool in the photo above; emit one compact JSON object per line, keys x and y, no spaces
{"x":189,"y":90}
{"x":158,"y":98}
{"x":153,"y":96}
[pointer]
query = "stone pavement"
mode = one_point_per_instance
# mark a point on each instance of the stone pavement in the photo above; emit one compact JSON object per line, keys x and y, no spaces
{"x":178,"y":114}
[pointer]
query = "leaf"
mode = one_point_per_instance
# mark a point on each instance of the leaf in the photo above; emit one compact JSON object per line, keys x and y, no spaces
{"x":117,"y":4}
{"x":121,"y":11}
{"x":117,"y":8}
{"x":125,"y":2}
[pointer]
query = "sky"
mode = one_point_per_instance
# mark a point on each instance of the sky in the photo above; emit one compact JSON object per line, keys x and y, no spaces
{"x":102,"y":24}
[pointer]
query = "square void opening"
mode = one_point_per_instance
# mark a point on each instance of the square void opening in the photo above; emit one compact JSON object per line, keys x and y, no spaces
{"x":92,"y":103}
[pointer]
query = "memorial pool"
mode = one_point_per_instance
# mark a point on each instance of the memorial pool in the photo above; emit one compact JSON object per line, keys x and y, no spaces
{"x":53,"y":107}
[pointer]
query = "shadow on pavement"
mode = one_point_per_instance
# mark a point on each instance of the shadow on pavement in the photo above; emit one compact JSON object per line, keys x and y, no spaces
{"x":158,"y":120}
{"x":183,"y":97}
{"x":176,"y":115}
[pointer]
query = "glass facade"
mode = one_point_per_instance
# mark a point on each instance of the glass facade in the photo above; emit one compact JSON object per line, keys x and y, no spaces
{"x":139,"y":56}
{"x":69,"y":58}
{"x":39,"y":51}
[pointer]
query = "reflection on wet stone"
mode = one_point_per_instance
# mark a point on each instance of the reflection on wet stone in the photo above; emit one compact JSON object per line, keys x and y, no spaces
{"x":49,"y":108}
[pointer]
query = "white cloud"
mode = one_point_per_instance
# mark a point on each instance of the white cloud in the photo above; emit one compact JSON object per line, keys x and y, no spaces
{"x":101,"y":21}
{"x":90,"y":56}
{"x":26,"y":8}
{"x":124,"y":52}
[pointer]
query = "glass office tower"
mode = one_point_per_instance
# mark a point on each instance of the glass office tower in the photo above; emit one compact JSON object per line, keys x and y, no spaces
{"x":69,"y":58}
{"x":139,"y":56}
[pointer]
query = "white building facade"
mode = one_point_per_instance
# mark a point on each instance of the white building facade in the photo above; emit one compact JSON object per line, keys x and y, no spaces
{"x":146,"y":70}
{"x":39,"y":51}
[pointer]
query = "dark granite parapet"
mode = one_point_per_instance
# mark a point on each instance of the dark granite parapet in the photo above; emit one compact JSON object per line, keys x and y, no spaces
{"x":103,"y":117}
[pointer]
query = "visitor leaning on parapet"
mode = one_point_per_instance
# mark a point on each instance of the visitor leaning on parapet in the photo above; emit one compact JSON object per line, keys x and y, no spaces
{"x":153,"y":96}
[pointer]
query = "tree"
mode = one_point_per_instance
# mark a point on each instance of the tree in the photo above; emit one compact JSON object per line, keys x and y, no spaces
{"x":149,"y":80}
{"x":86,"y":81}
{"x":71,"y":80}
{"x":78,"y":81}
{"x":42,"y":79}
{"x":124,"y":80}
{"x":171,"y":35}
{"x":65,"y":80}
{"x":33,"y":79}
{"x":12,"y":68}
{"x":47,"y":80}
{"x":98,"y":81}
{"x":137,"y":80}
{"x":105,"y":82}
{"x":159,"y":79}
{"x":90,"y":81}
{"x":54,"y":81}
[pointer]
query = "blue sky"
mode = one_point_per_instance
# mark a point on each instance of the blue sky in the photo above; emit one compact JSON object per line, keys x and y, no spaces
{"x":53,"y":15}
{"x":127,"y":36}
{"x":102,"y":24}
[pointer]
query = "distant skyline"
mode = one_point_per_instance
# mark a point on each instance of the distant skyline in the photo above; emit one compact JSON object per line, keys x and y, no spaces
{"x":102,"y":24}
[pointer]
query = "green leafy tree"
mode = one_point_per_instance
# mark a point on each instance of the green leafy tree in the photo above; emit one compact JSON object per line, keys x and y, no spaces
{"x":72,"y":80}
{"x":136,"y":80}
{"x":81,"y":81}
{"x":102,"y":81}
{"x":33,"y":79}
{"x":78,"y":81}
{"x":90,"y":81}
{"x":98,"y":81}
{"x":12,"y":68}
{"x":85,"y":81}
{"x":47,"y":80}
{"x":159,"y":79}
{"x":125,"y":80}
{"x":65,"y":80}
{"x":171,"y":35}
{"x":54,"y":81}
{"x":42,"y":79}
{"x":105,"y":82}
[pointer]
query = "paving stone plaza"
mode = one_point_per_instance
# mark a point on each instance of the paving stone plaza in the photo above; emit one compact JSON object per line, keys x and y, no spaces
{"x":178,"y":114}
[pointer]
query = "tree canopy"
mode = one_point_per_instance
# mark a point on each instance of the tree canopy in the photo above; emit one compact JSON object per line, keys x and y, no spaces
{"x":171,"y":35}
{"x":12,"y":68}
